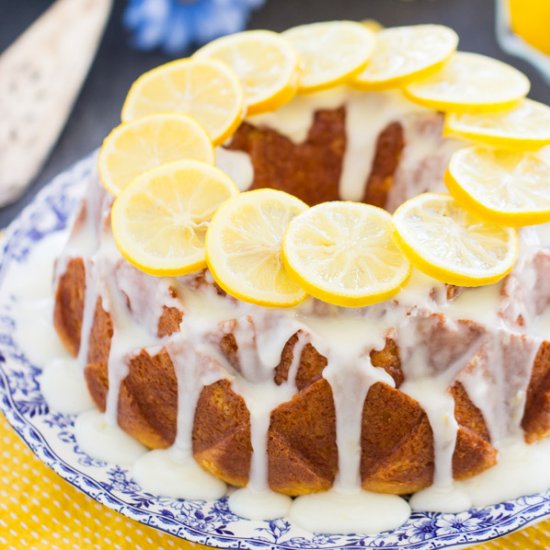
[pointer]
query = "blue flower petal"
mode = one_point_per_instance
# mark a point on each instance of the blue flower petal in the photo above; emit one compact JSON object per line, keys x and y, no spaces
{"x":148,"y":20}
{"x":210,"y":24}
{"x":180,"y":32}
{"x":175,"y":25}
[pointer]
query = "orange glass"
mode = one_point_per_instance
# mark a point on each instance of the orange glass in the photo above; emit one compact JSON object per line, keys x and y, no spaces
{"x":523,"y":30}
{"x":530,"y":19}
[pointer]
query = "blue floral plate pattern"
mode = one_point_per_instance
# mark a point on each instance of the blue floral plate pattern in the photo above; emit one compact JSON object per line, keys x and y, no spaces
{"x":50,"y":436}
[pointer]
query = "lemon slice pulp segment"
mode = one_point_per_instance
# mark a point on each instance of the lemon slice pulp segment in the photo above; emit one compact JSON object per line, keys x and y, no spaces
{"x":159,"y":220}
{"x":526,"y":126}
{"x":244,"y":247}
{"x":505,"y":186}
{"x":264,"y":62}
{"x":453,"y":245}
{"x":404,"y":54}
{"x":206,"y":90}
{"x":331,"y":52}
{"x":470,"y":82}
{"x":136,"y":147}
{"x":345,"y":253}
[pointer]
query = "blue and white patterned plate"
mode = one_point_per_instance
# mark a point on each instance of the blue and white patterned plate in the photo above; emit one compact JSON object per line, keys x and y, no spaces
{"x":51,"y":437}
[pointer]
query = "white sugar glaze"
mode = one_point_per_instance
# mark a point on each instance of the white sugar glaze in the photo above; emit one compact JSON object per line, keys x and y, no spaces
{"x":32,"y":300}
{"x":367,"y":115}
{"x":62,"y":383}
{"x":492,"y":357}
{"x":338,"y":512}
{"x":63,"y":386}
{"x":294,"y":119}
{"x":171,"y":473}
{"x":259,"y":351}
{"x":237,"y":165}
{"x":98,"y":437}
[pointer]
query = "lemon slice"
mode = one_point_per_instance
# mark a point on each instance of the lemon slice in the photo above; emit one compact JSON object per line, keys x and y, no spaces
{"x":526,"y":126}
{"x":507,"y":187}
{"x":207,"y":90}
{"x":160,"y":220}
{"x":331,"y":52}
{"x":136,"y":147}
{"x":265,"y":63}
{"x":404,"y":54}
{"x":451,"y":244}
{"x":243,"y":247}
{"x":470,"y":82}
{"x":345,"y":253}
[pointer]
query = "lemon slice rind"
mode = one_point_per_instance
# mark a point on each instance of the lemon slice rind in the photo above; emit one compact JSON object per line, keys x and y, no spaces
{"x":428,"y":243}
{"x":265,"y":64}
{"x":405,"y":54}
{"x":206,"y":90}
{"x":506,"y":128}
{"x":501,"y":185}
{"x":135,"y":147}
{"x":243,"y":248}
{"x":160,"y":219}
{"x":333,"y":246}
{"x":330,"y":52}
{"x":472,"y":83}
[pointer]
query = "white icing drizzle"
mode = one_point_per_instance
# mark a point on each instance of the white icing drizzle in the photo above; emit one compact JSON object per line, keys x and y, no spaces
{"x":237,"y":165}
{"x":543,"y":231}
{"x":480,"y":304}
{"x":128,"y":338}
{"x":195,"y":367}
{"x":367,"y":115}
{"x":63,"y":386}
{"x":424,"y":158}
{"x":350,"y":379}
{"x":432,"y":394}
{"x":295,"y":119}
{"x":347,"y":342}
{"x":31,"y":302}
{"x":439,"y":406}
{"x":428,"y":376}
{"x":260,"y":340}
{"x":85,"y":233}
{"x":357,"y":512}
{"x":297,"y":351}
{"x":171,"y":473}
{"x":485,"y":389}
{"x":521,"y":470}
{"x":61,"y":382}
{"x":425,"y":155}
{"x":98,"y":437}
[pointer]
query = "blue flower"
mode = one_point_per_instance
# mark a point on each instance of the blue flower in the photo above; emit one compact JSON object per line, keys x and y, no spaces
{"x":456,"y":523}
{"x":424,"y":528}
{"x":175,"y":25}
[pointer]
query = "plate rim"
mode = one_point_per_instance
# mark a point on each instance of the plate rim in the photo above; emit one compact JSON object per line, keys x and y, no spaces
{"x":41,"y":448}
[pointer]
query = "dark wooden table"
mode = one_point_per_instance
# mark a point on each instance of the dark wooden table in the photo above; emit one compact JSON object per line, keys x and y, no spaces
{"x":117,"y":65}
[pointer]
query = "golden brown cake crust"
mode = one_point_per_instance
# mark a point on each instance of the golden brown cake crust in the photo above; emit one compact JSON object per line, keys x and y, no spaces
{"x":536,"y":419}
{"x":69,"y":304}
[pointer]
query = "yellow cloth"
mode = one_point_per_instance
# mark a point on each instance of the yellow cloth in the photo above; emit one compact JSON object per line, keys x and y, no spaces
{"x":39,"y":510}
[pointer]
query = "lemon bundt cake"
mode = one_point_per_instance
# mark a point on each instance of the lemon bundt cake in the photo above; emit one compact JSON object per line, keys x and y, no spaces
{"x":344,"y":371}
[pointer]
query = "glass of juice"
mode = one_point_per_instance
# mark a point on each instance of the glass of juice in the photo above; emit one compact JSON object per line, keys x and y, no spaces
{"x":523,"y":29}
